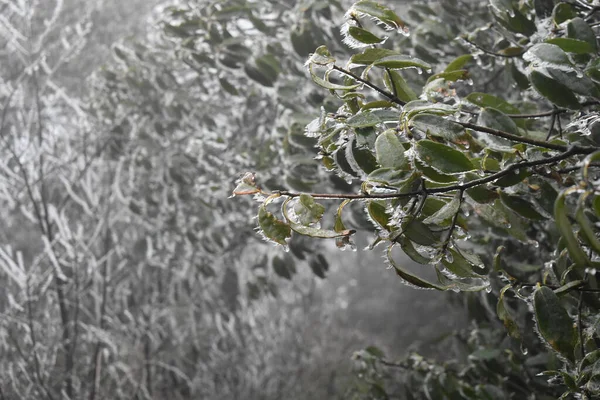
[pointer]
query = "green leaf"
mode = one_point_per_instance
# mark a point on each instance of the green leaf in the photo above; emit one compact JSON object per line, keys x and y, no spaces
{"x":387,"y":176}
{"x":566,"y":288}
{"x":409,"y":249}
{"x":575,"y":46}
{"x":447,"y":212}
{"x":369,"y":118}
{"x":496,"y":119}
{"x":553,"y":322}
{"x":418,"y":232}
{"x":565,"y":228}
{"x":458,"y":63}
{"x":443,"y":158}
{"x":401,"y":62}
{"x":452,"y":76}
{"x":273,"y":229}
{"x":319,"y":233}
{"x":360,"y":159}
{"x":307,"y":210}
{"x":505,"y":316}
{"x":563,"y":12}
{"x":577,"y":28}
{"x":379,"y":12}
{"x":321,"y":56}
{"x":389,"y":150}
{"x":394,"y":81}
{"x":370,"y":55}
{"x":228,"y":87}
{"x":458,"y":265}
{"x":521,"y":207}
{"x":328,"y":85}
{"x":437,"y":126}
{"x":364,"y":36}
{"x":553,"y":91}
{"x":575,"y":81}
{"x":546,"y":54}
{"x":491,"y":101}
{"x":377,"y":213}
{"x":410,"y":278}
{"x":481,"y":194}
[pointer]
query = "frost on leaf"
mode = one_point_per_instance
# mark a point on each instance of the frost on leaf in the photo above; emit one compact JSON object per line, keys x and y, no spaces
{"x":272,"y":228}
{"x":246,"y":185}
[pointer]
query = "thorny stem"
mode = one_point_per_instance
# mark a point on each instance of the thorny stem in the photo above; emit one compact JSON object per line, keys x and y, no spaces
{"x":443,"y":189}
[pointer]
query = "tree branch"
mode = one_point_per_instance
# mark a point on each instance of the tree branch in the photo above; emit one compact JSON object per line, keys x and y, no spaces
{"x":443,"y":189}
{"x":522,"y":139}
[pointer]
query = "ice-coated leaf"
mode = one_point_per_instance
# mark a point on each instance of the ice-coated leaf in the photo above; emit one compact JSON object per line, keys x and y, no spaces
{"x":443,"y":158}
{"x":319,"y":233}
{"x":369,"y":118}
{"x":379,"y":12}
{"x":328,"y":85}
{"x":577,"y":28}
{"x":401,"y":62}
{"x":377,"y":213}
{"x":370,"y":55}
{"x":521,"y":207}
{"x":418,"y":232}
{"x":321,"y":56}
{"x":553,"y":90}
{"x":491,"y":101}
{"x":387,"y":176}
{"x":458,"y":63}
{"x":307,"y":210}
{"x":496,"y":119}
{"x":437,"y":126}
{"x":458,"y":265}
{"x":361,"y":159}
{"x":574,"y":46}
{"x":546,"y":54}
{"x":563,"y":12}
{"x":389,"y":151}
{"x":447,"y":212}
{"x":565,"y":228}
{"x":364,"y":36}
{"x":505,"y":316}
{"x":410,"y":278}
{"x":575,"y":81}
{"x":553,"y":322}
{"x":481,"y":194}
{"x":452,"y":76}
{"x":409,"y":249}
{"x":396,"y":83}
{"x":273,"y":228}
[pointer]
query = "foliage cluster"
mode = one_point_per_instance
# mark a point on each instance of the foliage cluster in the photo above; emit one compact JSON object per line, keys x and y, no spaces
{"x":481,"y":183}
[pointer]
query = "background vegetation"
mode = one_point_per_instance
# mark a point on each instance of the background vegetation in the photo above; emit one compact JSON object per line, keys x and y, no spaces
{"x":459,"y":132}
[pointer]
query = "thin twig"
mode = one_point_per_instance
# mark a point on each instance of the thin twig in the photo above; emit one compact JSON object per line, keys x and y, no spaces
{"x":492,"y":53}
{"x":371,"y":85}
{"x":522,"y":139}
{"x":443,"y":189}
